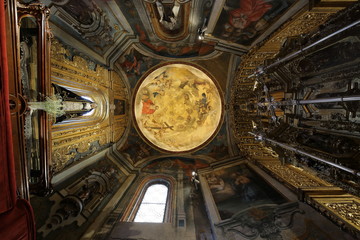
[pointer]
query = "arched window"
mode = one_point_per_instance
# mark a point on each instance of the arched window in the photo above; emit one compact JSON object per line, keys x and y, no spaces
{"x":152,"y":201}
{"x":153,"y":205}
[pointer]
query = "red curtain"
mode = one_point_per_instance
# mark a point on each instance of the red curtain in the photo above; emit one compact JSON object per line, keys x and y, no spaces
{"x":7,"y":169}
{"x":16,"y":215}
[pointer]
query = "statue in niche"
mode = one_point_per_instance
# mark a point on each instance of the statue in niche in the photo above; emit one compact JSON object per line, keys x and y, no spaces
{"x":25,"y":58}
{"x":72,"y":104}
{"x":87,"y":191}
{"x":168,"y":14}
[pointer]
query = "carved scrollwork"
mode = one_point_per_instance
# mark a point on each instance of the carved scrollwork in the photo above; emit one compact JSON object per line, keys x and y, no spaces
{"x":68,"y":150}
{"x":88,"y":19}
{"x":292,"y":176}
{"x":77,"y":69}
{"x":349,"y":210}
{"x":342,"y":210}
{"x":38,"y":10}
{"x":264,"y":221}
{"x":78,"y":201}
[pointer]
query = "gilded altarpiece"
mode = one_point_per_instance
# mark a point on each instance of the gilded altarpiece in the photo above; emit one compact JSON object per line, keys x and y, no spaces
{"x":332,"y":201}
{"x":77,"y":138}
{"x":119,"y":107}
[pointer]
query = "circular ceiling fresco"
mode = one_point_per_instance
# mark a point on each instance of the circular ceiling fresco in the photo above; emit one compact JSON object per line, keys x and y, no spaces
{"x":177,"y":107}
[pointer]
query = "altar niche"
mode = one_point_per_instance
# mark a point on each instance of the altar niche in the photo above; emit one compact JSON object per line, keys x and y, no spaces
{"x":73,"y":104}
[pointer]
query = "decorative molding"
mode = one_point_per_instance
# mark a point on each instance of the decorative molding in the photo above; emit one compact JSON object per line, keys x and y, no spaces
{"x":89,"y":20}
{"x":347,"y":210}
{"x":67,"y":151}
{"x":76,"y":68}
{"x":179,"y":32}
{"x":84,"y":136}
{"x":292,"y":176}
{"x":343,"y":210}
{"x":265,"y":221}
{"x":79,"y":200}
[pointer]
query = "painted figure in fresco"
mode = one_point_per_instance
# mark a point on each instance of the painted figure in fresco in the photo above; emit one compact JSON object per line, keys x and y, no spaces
{"x":81,"y":10}
{"x":148,"y":106}
{"x":135,"y":63}
{"x":131,"y":64}
{"x":250,"y":11}
{"x":244,"y":187}
{"x":168,"y":16}
{"x":216,"y":183}
{"x":221,"y":189}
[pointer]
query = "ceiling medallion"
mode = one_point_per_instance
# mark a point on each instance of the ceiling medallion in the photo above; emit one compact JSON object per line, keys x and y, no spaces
{"x":177,"y":107}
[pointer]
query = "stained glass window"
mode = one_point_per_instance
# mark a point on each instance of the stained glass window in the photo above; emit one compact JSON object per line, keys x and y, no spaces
{"x":153,"y":204}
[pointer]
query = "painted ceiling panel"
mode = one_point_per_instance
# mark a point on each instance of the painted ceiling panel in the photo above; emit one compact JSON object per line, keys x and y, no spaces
{"x":168,"y":28}
{"x":144,"y":18}
{"x":91,"y":22}
{"x":177,"y":107}
{"x":243,"y":21}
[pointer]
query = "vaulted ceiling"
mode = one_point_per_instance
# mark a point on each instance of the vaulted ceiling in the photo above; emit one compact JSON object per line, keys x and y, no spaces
{"x":105,"y":29}
{"x":134,"y":36}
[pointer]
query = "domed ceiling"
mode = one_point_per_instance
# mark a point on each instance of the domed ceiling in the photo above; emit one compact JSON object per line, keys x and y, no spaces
{"x":132,"y":36}
{"x":177,"y":107}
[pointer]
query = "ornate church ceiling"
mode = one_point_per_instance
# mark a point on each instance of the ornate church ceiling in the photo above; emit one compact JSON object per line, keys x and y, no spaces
{"x":135,"y":36}
{"x":167,"y":28}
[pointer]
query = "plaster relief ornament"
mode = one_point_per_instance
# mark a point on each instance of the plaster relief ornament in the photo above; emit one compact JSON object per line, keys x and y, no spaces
{"x":177,"y":107}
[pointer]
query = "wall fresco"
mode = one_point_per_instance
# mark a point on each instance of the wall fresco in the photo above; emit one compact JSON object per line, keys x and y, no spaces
{"x":135,"y":65}
{"x":218,"y":148}
{"x":237,"y":188}
{"x":135,"y":149}
{"x":173,"y":164}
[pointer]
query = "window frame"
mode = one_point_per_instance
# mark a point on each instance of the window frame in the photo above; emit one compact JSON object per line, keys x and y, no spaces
{"x":134,"y":205}
{"x":144,"y":193}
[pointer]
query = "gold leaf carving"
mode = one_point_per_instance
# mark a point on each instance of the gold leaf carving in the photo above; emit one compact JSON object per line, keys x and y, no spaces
{"x":293,"y":176}
{"x":77,"y":69}
{"x":63,"y":149}
{"x":348,"y":210}
{"x":73,"y":131}
{"x":119,"y":87}
{"x":304,"y":22}
{"x":73,"y":139}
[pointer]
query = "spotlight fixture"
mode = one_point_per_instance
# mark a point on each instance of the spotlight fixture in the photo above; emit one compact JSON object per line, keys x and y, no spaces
{"x":202,"y":29}
{"x":201,"y":34}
